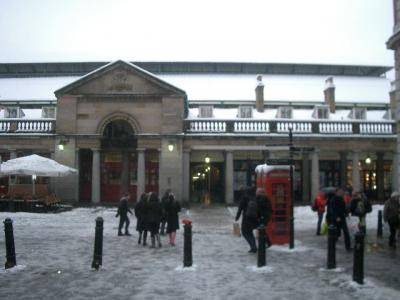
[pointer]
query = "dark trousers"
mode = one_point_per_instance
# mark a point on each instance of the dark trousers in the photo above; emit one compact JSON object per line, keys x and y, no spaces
{"x":123,"y":219}
{"x":320,"y":218}
{"x":342,"y":226}
{"x":247,"y":233}
{"x":392,"y":238}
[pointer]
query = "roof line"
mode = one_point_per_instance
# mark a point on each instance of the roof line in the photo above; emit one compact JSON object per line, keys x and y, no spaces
{"x":176,"y":67}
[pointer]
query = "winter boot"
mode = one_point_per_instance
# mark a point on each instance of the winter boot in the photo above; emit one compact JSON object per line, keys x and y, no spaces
{"x":119,"y":233}
{"x":127,"y":232}
{"x":145,"y":238}
{"x":140,"y":238}
{"x":153,"y":242}
{"x":159,"y":240}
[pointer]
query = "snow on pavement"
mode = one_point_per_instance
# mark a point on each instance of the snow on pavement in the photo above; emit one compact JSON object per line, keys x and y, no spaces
{"x":55,"y":251}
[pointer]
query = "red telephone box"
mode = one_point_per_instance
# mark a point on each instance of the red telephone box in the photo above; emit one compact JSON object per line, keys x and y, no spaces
{"x":275,"y":180}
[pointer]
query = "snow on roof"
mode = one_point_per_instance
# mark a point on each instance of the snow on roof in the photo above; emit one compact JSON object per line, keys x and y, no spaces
{"x":265,"y":169}
{"x":38,"y":88}
{"x":224,"y":87}
{"x":280,"y":87}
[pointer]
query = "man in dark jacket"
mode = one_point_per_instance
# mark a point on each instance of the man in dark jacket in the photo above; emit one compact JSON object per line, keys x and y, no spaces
{"x":249,"y":223}
{"x":164,"y":201}
{"x":391,"y":215}
{"x":123,"y":210}
{"x":336,"y":215}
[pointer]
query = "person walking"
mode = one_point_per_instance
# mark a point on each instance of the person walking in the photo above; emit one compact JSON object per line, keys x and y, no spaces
{"x":164,"y":201}
{"x":359,"y":207}
{"x":141,"y":212}
{"x":248,"y":210}
{"x":154,"y":219}
{"x":122,"y":213}
{"x":172,"y":209}
{"x":391,"y":215}
{"x":319,"y":206}
{"x":336,"y":215}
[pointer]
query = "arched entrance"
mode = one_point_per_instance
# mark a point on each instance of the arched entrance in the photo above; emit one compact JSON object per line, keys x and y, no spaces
{"x":118,"y":161}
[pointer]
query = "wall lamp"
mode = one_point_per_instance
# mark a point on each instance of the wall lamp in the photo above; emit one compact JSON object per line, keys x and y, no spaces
{"x":368,"y":160}
{"x":63,"y":141}
{"x":207,"y":159}
{"x":170,"y":146}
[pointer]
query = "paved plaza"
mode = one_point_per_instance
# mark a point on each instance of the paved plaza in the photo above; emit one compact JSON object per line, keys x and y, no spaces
{"x":55,"y":252}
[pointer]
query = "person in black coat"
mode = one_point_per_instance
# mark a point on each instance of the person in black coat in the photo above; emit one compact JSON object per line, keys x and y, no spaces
{"x":249,"y":223}
{"x":172,"y":209}
{"x":154,"y":219}
{"x":164,"y":201}
{"x":141,"y":212}
{"x":336,"y":215}
{"x":123,"y":210}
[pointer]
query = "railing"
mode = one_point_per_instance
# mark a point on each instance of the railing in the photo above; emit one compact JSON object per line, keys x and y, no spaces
{"x":27,"y":126}
{"x":324,"y":127}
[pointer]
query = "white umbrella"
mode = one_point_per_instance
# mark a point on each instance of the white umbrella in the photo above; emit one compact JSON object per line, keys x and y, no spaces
{"x":35,"y":165}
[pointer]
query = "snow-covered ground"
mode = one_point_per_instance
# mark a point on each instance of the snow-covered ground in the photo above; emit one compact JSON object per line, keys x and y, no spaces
{"x":55,"y":251}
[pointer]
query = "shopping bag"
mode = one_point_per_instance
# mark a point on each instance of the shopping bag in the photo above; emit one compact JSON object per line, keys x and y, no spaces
{"x":236,"y":229}
{"x":324,"y":228}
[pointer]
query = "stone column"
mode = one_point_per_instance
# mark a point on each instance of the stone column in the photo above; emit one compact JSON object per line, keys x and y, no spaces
{"x":228,"y":177}
{"x":343,"y":169}
{"x":141,"y":173}
{"x":314,"y":174}
{"x":186,"y":175}
{"x":395,"y":170}
{"x":96,"y":176}
{"x":305,"y":169}
{"x":355,"y":173}
{"x":380,"y":174}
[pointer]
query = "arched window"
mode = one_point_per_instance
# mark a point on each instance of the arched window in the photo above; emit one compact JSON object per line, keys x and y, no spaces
{"x":118,"y":133}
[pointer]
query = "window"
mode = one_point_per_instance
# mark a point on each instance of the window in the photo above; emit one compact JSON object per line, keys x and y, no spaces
{"x":245,"y":112}
{"x":358,"y":113}
{"x":12,"y":112}
{"x":284,"y":112}
{"x":206,"y":111}
{"x":49,"y":112}
{"x":321,"y":112}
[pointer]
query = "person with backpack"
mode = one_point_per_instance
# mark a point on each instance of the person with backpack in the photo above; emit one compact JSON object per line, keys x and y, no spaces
{"x":391,"y":211}
{"x":359,"y":206}
{"x":248,"y":210}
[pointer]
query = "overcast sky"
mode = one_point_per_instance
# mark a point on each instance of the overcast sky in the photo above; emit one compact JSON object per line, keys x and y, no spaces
{"x":299,"y":31}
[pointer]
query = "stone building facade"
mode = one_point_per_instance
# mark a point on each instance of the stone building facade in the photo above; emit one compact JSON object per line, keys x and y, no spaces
{"x":199,"y":129}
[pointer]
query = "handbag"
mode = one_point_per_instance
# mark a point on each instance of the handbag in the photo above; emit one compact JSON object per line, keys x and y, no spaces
{"x":324,"y":228}
{"x":236,"y":229}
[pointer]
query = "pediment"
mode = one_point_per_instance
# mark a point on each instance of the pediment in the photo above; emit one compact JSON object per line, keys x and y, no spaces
{"x":119,"y":78}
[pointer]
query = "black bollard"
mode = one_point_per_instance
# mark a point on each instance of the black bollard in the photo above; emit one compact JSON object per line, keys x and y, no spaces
{"x":332,"y":233}
{"x":10,"y":247}
{"x":187,"y":245}
{"x":379,"y":231}
{"x":358,"y":263}
{"x":261,"y":254}
{"x":98,"y":244}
